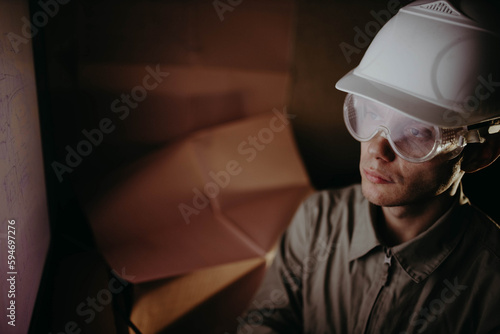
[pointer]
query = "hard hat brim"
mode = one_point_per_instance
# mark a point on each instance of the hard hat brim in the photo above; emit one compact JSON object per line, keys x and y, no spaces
{"x":410,"y":105}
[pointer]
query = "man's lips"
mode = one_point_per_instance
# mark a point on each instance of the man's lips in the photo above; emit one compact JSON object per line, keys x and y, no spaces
{"x":376,"y":177}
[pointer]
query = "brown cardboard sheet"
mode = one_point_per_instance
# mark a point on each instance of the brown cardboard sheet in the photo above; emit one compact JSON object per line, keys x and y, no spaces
{"x":210,"y":199}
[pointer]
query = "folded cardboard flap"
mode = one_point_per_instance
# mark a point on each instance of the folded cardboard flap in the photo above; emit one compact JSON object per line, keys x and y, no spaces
{"x":184,"y":99}
{"x":222,"y":292}
{"x":227,"y":178}
{"x":221,"y":195}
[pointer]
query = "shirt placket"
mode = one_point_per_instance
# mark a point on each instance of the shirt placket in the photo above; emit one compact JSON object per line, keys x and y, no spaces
{"x":383,"y":282}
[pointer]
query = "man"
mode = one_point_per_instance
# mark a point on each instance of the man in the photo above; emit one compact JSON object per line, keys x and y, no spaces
{"x":405,"y":251}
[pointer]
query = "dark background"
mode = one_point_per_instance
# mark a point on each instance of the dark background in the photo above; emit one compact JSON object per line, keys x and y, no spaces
{"x":78,"y":35}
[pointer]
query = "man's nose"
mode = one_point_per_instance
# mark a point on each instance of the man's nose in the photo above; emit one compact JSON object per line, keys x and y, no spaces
{"x":380,"y":148}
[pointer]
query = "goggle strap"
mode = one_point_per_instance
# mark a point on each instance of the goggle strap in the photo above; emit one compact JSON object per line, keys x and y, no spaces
{"x":474,"y":133}
{"x":473,"y":136}
{"x":494,"y":128}
{"x":490,"y":123}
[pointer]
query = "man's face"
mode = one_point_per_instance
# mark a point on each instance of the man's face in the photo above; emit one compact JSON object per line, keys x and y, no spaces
{"x":389,"y":180}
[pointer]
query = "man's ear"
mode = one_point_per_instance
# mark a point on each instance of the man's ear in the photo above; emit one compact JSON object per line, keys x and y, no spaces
{"x":479,"y":156}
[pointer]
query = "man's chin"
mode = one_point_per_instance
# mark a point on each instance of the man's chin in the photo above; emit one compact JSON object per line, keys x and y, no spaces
{"x":380,"y":195}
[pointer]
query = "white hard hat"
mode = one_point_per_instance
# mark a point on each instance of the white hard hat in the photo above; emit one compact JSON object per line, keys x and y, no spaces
{"x":433,"y":63}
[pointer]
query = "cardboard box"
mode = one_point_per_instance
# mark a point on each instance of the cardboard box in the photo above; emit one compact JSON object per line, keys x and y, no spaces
{"x":205,"y":301}
{"x":210,"y":199}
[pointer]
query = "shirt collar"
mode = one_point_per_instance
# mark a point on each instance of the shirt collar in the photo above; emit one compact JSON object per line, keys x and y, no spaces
{"x":420,"y":256}
{"x":364,"y":238}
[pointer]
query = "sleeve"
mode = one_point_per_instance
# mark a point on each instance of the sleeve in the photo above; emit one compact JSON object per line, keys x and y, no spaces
{"x":277,"y":305}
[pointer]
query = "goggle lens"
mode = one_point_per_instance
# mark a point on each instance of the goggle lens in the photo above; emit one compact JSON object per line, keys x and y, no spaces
{"x":411,"y":139}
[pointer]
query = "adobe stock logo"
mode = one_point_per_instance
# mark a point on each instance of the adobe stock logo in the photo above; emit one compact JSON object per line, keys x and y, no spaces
{"x":473,"y":104}
{"x":222,"y":6}
{"x":260,"y":309}
{"x":363,"y":38}
{"x":89,"y":308}
{"x":437,"y":306}
{"x":49,"y":9}
{"x":120,"y":106}
{"x":248,"y":148}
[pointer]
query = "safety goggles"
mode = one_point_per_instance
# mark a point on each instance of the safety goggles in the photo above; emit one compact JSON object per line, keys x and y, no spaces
{"x":409,"y":138}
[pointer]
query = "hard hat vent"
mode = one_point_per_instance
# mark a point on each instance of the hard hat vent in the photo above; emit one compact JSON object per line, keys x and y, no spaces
{"x":442,"y":7}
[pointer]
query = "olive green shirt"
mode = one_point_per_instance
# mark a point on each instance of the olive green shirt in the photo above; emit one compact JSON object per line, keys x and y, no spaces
{"x":331,"y":273}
